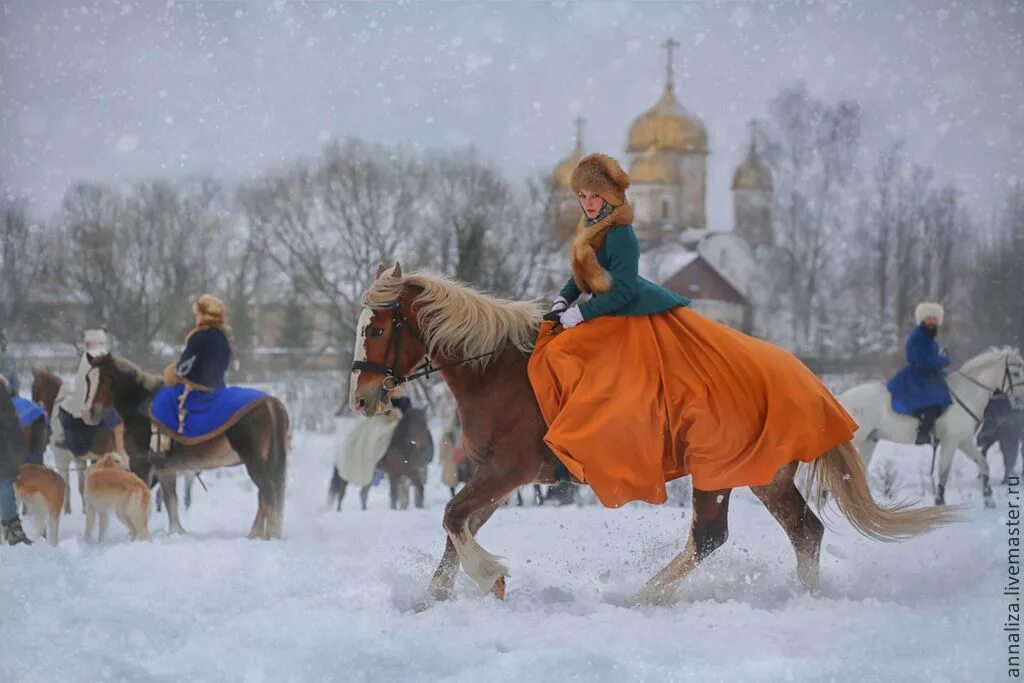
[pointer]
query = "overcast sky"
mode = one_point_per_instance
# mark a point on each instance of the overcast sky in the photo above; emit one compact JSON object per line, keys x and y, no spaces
{"x":119,"y":91}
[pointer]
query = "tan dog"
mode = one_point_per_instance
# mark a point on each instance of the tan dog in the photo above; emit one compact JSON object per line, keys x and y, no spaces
{"x":41,"y":491}
{"x":109,"y":486}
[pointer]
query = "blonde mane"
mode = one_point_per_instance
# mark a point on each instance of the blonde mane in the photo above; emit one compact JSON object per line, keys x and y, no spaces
{"x":458,"y":322}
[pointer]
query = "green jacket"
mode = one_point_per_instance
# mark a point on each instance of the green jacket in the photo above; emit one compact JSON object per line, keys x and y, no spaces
{"x":630,"y":294}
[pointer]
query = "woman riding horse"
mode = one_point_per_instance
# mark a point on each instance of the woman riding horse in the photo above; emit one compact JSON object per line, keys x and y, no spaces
{"x":637,"y":389}
{"x":194,"y":383}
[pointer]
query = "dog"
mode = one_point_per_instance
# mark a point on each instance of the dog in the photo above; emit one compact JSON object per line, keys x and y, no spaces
{"x":41,"y":491}
{"x":110,"y":486}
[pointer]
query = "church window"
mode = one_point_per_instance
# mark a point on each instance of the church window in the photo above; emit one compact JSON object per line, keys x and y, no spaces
{"x":664,"y":209}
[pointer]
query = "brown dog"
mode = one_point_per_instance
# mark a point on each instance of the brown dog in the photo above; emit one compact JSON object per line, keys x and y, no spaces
{"x":41,"y":491}
{"x":109,"y":486}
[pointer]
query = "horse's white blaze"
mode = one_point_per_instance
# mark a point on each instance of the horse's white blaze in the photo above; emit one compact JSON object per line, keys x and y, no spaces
{"x":359,"y":353}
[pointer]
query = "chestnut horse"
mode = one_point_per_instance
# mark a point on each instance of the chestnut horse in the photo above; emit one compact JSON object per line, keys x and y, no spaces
{"x":481,"y":347}
{"x":46,"y":391}
{"x":259,"y":440}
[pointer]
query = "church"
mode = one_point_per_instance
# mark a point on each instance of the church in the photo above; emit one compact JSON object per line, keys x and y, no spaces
{"x":728,"y":274}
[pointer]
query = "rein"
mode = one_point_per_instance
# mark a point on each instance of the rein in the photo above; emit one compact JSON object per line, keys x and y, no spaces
{"x":1007,"y":383}
{"x":392,"y":380}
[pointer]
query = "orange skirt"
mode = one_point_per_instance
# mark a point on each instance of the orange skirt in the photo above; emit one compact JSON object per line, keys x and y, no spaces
{"x":632,"y":402}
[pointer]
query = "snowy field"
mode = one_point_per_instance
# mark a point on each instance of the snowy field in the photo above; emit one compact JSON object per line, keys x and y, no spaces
{"x":337,"y":599}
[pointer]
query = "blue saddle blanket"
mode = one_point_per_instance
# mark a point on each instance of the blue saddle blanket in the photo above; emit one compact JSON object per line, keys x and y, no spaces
{"x":28,"y":412}
{"x":207,"y":413}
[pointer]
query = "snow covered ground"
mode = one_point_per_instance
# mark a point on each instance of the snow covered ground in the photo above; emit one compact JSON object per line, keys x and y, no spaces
{"x":335,"y":600}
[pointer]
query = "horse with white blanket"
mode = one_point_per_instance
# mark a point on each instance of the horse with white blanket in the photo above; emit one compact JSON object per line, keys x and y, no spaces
{"x":397,"y":443}
{"x":971,"y":386}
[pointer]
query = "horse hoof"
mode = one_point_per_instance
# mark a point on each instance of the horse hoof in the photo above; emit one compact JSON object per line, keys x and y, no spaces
{"x":939,"y":501}
{"x":499,"y":588}
{"x":989,"y":503}
{"x":651,"y":595}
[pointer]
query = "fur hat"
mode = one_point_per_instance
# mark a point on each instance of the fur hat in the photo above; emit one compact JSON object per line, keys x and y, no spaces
{"x":601,"y":174}
{"x":96,"y":343}
{"x":928,"y":309}
{"x":209,"y":309}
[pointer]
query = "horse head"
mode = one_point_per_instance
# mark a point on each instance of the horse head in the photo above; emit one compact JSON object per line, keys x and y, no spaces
{"x":101,"y":382}
{"x":389,"y":344}
{"x":116,"y":384}
{"x":997,"y":369}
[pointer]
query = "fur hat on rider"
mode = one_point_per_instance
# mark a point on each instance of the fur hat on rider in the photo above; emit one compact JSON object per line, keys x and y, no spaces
{"x":96,"y":343}
{"x":209,"y":310}
{"x":601,"y":174}
{"x":928,"y":309}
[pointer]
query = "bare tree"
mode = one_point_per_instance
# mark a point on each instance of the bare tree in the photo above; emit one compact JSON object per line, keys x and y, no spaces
{"x":142,"y":257}
{"x":24,"y":254}
{"x":329,"y":223}
{"x":812,"y":148}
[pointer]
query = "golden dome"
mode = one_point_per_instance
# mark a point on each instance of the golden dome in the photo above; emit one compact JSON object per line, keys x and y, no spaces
{"x":651,"y":168}
{"x":563,"y":171}
{"x":667,"y":127}
{"x":752,"y":174}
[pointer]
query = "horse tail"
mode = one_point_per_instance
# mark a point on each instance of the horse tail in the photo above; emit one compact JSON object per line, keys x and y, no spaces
{"x":277,"y":447}
{"x":841,"y":472}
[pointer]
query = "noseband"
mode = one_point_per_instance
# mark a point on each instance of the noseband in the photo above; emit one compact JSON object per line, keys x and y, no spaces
{"x":393,"y":350}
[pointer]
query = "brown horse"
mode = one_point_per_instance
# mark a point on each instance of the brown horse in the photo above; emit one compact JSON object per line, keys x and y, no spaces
{"x":46,"y":388}
{"x":405,"y":462}
{"x":481,"y":347}
{"x":259,"y":440}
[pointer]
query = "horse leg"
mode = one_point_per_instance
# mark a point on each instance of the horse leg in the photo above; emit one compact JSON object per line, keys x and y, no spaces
{"x":393,"y":487}
{"x":403,"y":492}
{"x":867,"y":450}
{"x":1009,"y":457}
{"x":974,"y":454}
{"x":339,"y":492}
{"x":169,"y":485}
{"x":805,"y":531}
{"x":190,"y":479}
{"x":443,"y":581}
{"x":946,"y":452}
{"x":364,"y":494}
{"x":418,"y":488}
{"x":482,"y":491}
{"x":708,"y":531}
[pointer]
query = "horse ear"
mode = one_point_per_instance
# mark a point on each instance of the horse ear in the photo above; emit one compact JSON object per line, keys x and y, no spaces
{"x":398,"y":269}
{"x":380,"y":271}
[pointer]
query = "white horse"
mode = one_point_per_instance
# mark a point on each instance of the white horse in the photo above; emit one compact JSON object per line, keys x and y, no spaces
{"x":972,"y":386}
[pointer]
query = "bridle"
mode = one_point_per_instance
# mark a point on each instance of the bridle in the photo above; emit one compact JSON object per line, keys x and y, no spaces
{"x":393,"y":351}
{"x":1006,"y":386}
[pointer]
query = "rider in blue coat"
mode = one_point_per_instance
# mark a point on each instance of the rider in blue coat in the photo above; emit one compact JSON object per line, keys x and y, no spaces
{"x":919,"y":389}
